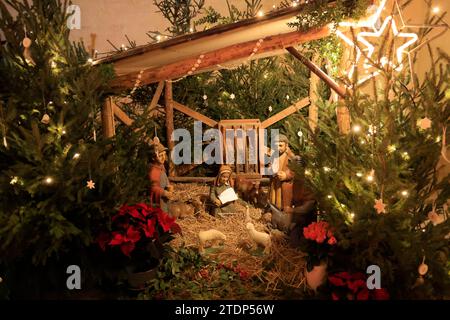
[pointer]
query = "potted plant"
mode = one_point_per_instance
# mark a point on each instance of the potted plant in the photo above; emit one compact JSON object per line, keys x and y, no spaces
{"x":318,"y":242}
{"x":137,"y":240}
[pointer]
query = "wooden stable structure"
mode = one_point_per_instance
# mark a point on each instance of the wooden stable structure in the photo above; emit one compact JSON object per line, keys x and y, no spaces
{"x":205,"y":51}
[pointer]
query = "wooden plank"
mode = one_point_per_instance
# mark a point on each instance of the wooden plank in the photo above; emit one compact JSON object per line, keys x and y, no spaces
{"x":119,"y":113}
{"x":194,"y":114}
{"x":108,"y":118}
{"x":156,"y":96}
{"x":169,"y":123}
{"x":212,"y":59}
{"x":286,"y":112}
{"x":322,"y":75}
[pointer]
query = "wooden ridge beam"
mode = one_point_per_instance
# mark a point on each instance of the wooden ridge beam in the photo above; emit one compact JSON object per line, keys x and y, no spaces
{"x":220,"y":56}
{"x":284,"y":113}
{"x":194,"y":114}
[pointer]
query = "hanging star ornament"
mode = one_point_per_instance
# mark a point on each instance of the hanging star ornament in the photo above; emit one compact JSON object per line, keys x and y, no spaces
{"x":90,"y":184}
{"x":375,"y":33}
{"x":380,"y":206}
{"x":424,"y":123}
{"x":390,"y":25}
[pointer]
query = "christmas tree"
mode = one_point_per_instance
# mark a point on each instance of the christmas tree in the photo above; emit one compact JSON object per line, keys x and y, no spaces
{"x":60,"y":181}
{"x":380,"y":184}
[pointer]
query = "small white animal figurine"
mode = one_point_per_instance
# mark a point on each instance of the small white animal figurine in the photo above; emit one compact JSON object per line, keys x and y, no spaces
{"x":260,"y":238}
{"x":212,"y":235}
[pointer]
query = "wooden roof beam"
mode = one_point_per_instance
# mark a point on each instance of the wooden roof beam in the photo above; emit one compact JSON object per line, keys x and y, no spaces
{"x":286,"y":112}
{"x":239,"y":51}
{"x":322,"y":75}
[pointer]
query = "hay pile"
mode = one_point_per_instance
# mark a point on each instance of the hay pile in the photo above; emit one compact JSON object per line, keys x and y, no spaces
{"x":284,"y":265}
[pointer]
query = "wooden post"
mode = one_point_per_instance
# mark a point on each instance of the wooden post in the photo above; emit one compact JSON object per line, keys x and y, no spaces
{"x":108,"y":118}
{"x":314,"y":80}
{"x":169,"y":123}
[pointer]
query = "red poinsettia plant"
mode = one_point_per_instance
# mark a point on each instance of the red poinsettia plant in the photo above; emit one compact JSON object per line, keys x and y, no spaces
{"x":140,"y":232}
{"x":318,"y":242}
{"x":353,"y":286}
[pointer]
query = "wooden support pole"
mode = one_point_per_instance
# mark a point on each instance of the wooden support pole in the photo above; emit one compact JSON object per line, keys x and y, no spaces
{"x":156,"y":96}
{"x":108,"y":118}
{"x":194,"y":114}
{"x":286,"y":112}
{"x":322,"y":75}
{"x":169,"y":123}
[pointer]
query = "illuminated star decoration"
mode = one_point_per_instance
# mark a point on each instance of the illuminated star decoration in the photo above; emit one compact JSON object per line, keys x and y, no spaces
{"x":424,"y":123}
{"x":380,"y":206}
{"x":361,"y":37}
{"x":90,"y":184}
{"x":368,"y":23}
{"x":398,"y":66}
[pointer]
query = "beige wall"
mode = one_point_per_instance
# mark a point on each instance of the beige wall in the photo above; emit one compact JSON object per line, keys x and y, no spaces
{"x":113,"y":19}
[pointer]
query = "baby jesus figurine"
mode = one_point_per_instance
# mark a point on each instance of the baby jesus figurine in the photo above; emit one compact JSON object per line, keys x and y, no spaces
{"x":222,"y":194}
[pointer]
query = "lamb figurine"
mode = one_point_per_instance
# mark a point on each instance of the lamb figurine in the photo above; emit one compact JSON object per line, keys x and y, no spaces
{"x":260,"y":238}
{"x":212,"y":235}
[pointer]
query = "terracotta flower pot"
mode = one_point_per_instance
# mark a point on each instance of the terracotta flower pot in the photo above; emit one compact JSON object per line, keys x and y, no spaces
{"x":317,"y":276}
{"x":138,"y":280}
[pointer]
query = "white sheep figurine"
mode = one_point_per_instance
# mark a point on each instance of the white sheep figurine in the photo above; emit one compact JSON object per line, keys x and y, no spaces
{"x":212,"y":235}
{"x":260,"y":238}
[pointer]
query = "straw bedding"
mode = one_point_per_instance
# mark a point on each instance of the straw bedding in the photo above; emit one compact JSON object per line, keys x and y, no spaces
{"x":284,"y":266}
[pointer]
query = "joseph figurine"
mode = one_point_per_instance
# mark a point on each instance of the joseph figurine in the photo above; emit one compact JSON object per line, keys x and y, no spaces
{"x":281,"y":183}
{"x":160,"y":188}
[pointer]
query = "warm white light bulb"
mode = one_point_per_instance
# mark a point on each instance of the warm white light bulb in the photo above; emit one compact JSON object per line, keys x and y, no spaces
{"x":436,"y":10}
{"x":326,"y":169}
{"x":76,"y":155}
{"x":370,"y":178}
{"x":405,"y":193}
{"x":260,"y":13}
{"x":329,"y":196}
{"x":158,"y":37}
{"x":356,"y":128}
{"x":90,"y":60}
{"x":48,"y":180}
{"x":359,"y":174}
{"x":352,"y":215}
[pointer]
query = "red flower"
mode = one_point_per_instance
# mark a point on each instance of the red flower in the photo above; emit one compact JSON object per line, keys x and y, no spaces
{"x":332,"y":241}
{"x":363,"y":294}
{"x":334,"y":296}
{"x":356,"y":285}
{"x":336,"y":281}
{"x":127,"y":248}
{"x":149,"y":228}
{"x":135,"y":226}
{"x":380,"y":294}
{"x":133,"y":235}
{"x":165,"y":220}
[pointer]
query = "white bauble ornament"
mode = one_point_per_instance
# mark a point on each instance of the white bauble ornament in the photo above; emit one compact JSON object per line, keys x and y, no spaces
{"x":45,"y":119}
